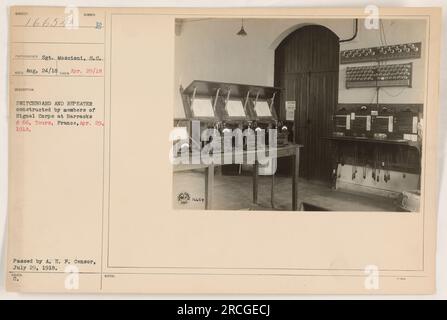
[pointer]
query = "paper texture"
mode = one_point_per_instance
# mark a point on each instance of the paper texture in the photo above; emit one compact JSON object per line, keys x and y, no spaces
{"x":202,"y":108}
{"x":262,"y":109}
{"x":235,"y":108}
{"x":92,"y":98}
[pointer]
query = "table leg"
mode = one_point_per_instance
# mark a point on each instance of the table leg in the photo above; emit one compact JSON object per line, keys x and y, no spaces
{"x":255,"y":181}
{"x":209,"y":185}
{"x":272,"y":191}
{"x":295,"y":174}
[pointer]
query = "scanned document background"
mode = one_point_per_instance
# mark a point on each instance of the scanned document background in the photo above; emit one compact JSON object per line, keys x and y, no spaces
{"x":91,"y":182}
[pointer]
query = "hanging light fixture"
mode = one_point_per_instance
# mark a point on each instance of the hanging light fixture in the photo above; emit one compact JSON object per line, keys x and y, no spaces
{"x":242,"y":32}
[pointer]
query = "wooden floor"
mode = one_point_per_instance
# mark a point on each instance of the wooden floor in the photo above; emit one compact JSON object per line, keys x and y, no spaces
{"x":235,"y":193}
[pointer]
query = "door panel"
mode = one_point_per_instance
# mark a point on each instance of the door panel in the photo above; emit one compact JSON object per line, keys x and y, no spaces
{"x":325,"y":51}
{"x":295,"y":89}
{"x":301,"y":116}
{"x":324,"y":91}
{"x":306,"y":67}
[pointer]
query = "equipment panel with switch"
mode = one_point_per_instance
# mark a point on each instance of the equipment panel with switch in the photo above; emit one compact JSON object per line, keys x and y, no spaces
{"x":391,"y":122}
{"x":393,"y":75}
{"x":383,"y":53}
{"x":375,"y":139}
{"x":223,"y":108}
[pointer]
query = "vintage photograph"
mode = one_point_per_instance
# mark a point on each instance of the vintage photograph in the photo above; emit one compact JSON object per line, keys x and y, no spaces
{"x":298,"y":114}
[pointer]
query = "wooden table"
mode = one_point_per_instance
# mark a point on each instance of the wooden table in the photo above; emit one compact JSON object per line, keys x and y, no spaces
{"x":292,"y":150}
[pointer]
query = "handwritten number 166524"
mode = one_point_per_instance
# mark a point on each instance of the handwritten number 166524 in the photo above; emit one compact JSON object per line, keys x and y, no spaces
{"x":49,"y":22}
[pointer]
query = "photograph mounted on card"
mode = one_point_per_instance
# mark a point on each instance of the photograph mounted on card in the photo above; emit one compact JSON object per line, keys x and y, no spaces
{"x":223,"y":150}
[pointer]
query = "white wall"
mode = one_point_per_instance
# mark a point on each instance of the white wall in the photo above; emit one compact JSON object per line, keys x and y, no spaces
{"x":209,"y":49}
{"x":396,"y":31}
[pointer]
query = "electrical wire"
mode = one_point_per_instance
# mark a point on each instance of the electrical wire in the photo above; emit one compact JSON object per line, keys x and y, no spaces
{"x":393,"y":95}
{"x":383,"y":31}
{"x":374,"y":97}
{"x":382,"y":42}
{"x":382,"y":35}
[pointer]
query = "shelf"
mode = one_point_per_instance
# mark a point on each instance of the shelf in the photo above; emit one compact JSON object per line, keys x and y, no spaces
{"x":401,"y":142}
{"x":238,"y":90}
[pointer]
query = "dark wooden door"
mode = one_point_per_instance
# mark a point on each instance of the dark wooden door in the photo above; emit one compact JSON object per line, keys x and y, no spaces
{"x":306,"y":67}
